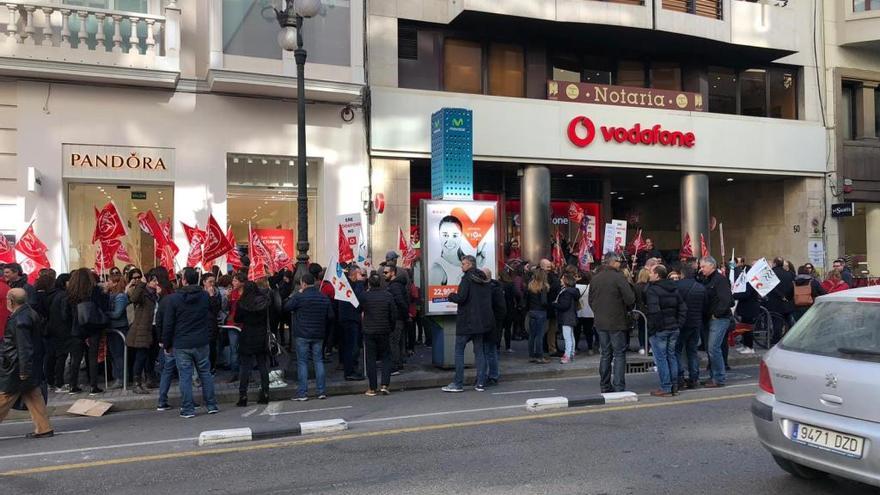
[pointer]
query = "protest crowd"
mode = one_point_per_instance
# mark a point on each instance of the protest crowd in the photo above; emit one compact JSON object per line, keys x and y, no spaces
{"x":152,"y":326}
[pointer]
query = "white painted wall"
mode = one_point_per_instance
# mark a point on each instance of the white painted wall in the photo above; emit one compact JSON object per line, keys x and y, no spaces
{"x":519,"y":129}
{"x":202,"y":129}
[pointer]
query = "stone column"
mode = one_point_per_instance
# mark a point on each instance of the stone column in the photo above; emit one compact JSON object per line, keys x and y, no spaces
{"x":872,"y":227}
{"x":535,"y":213}
{"x":695,"y":210}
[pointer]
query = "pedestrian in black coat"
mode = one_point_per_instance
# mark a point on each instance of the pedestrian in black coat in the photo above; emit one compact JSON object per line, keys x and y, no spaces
{"x":252,"y":315}
{"x":379,"y":317}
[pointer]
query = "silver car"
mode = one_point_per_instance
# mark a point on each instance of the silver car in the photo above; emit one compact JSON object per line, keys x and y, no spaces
{"x":817,"y":409}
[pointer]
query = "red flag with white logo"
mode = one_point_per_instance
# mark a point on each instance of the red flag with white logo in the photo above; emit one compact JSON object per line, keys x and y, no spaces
{"x":575,"y":212}
{"x":687,"y":248}
{"x":232,"y":257}
{"x":105,"y":252}
{"x":258,"y":255}
{"x":346,"y":254}
{"x":108,"y":224}
{"x":196,"y":238}
{"x":7,"y":250}
{"x":402,"y":245}
{"x":122,"y":253}
{"x":638,"y":243}
{"x":558,"y":257}
{"x":216,"y":242}
{"x":704,"y":249}
{"x":32,"y":247}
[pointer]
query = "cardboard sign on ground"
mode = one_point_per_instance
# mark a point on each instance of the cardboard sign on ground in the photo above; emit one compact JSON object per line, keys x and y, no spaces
{"x":89,"y":407}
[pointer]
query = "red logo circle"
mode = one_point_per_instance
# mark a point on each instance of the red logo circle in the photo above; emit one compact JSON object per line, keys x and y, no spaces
{"x":573,"y":135}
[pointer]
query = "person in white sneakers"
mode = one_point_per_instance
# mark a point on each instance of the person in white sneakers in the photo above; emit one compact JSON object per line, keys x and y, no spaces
{"x":566,"y":306}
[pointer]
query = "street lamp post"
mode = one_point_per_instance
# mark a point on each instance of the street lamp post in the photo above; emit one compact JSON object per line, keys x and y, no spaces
{"x":290,"y":18}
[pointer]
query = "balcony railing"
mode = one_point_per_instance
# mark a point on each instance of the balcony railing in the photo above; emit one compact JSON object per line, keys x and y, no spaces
{"x":57,"y":32}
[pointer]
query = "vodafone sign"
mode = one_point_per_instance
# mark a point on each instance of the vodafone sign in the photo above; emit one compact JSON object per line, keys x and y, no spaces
{"x":582,"y":132}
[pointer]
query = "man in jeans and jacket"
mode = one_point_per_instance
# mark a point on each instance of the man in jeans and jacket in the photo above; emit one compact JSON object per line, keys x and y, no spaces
{"x":186,"y":333}
{"x":694,"y":295}
{"x":474,"y":318}
{"x":311,"y":312}
{"x":720,"y":300}
{"x":666,"y":315}
{"x":397,"y":286}
{"x":611,"y":297}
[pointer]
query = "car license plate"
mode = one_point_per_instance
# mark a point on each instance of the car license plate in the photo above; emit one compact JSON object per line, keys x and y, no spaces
{"x":830,"y":440}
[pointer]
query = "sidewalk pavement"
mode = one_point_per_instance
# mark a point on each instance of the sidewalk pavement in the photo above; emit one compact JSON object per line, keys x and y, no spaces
{"x":418,"y":373}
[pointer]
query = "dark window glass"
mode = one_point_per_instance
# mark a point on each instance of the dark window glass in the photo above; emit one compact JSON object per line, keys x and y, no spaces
{"x":597,"y":70}
{"x":877,"y":112}
{"x":722,"y":90}
{"x":506,"y":70}
{"x":783,"y":93}
{"x":847,"y":112}
{"x":666,"y":75}
{"x":754,"y":92}
{"x":566,"y":67}
{"x":462,"y":66}
{"x":631,"y":73}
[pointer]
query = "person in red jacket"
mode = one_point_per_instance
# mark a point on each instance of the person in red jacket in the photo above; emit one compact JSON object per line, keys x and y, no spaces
{"x":834,"y":282}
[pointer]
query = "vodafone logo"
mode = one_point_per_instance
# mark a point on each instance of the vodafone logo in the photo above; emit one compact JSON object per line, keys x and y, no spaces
{"x":582,"y":132}
{"x":574,"y":129}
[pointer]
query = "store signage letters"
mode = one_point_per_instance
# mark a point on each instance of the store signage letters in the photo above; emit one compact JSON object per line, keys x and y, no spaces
{"x":626,"y":96}
{"x":582,"y":132}
{"x":132,"y":161}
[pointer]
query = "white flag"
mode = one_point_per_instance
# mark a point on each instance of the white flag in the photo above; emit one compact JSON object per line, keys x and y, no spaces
{"x":762,"y":278}
{"x":341,"y":287}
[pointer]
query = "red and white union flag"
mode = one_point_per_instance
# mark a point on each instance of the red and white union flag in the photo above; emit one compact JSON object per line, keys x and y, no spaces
{"x":108,"y":224}
{"x":216,"y":242}
{"x":32,"y":247}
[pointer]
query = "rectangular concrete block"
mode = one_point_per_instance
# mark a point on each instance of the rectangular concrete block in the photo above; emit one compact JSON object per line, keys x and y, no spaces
{"x":217,"y":437}
{"x":325,"y":426}
{"x":546,"y":403}
{"x":620,"y":397}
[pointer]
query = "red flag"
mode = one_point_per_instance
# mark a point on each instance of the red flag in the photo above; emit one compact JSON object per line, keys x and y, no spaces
{"x":402,"y":245}
{"x":411,"y":255}
{"x":638,"y":243}
{"x":257,"y":253}
{"x":196,"y":238}
{"x":346,"y":255}
{"x":108,"y":224}
{"x":280,"y":259}
{"x":216,"y":243}
{"x":165,"y":258}
{"x":704,"y":249}
{"x":7,"y":251}
{"x":161,"y":232}
{"x":558,"y":258}
{"x":32,"y":247}
{"x":584,"y":255}
{"x":232,"y":257}
{"x":104,"y":255}
{"x":122,"y":254}
{"x":575,"y":212}
{"x":687,"y":248}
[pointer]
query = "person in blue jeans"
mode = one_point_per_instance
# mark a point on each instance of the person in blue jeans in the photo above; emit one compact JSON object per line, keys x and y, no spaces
{"x":666,"y":314}
{"x":474,"y":318}
{"x":311,"y":313}
{"x":186,"y":333}
{"x":720,"y":300}
{"x":492,"y":339}
{"x":694,"y":295}
{"x":537,"y":302}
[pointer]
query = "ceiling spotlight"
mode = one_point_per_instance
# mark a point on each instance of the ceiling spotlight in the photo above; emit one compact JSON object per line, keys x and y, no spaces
{"x":613,"y":192}
{"x":620,"y":197}
{"x":569,"y":175}
{"x":730,"y":179}
{"x":649,"y":176}
{"x":641,"y":194}
{"x":655,"y":186}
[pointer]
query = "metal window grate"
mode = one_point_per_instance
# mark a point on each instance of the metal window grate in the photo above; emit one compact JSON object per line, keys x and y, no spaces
{"x":408,"y":43}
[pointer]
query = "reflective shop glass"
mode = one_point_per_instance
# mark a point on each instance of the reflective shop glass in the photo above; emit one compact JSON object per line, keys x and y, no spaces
{"x":754,"y":92}
{"x":631,"y":73}
{"x":666,"y":75}
{"x":506,"y":70}
{"x":722,"y":90}
{"x":250,"y":29}
{"x":782,"y":84}
{"x":462,"y":66}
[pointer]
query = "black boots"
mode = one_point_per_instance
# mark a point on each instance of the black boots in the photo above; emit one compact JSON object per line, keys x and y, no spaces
{"x":264,"y":397}
{"x":242,"y":401}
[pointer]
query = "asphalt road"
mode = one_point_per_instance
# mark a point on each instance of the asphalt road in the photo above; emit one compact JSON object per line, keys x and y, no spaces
{"x":423,"y":442}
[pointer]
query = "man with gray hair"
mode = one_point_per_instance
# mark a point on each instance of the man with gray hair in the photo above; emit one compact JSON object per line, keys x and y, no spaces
{"x":21,"y":356}
{"x":611,"y":297}
{"x":719,"y":299}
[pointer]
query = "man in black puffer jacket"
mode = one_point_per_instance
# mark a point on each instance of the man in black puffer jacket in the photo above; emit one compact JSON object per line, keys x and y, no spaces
{"x":667,"y":313}
{"x":397,"y":286}
{"x":694,"y":295}
{"x":474,"y":317}
{"x":380,"y":316}
{"x":311,"y":313}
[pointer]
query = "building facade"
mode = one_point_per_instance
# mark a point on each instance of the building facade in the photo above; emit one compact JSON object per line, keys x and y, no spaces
{"x":96,"y":94}
{"x":852,"y":98}
{"x":676,"y":116}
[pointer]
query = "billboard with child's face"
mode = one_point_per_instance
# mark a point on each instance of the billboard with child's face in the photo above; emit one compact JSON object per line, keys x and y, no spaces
{"x":451,"y":231}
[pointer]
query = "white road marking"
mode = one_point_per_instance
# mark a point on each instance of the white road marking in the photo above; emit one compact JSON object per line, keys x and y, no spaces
{"x":252,"y":411}
{"x":29,"y":422}
{"x":307,"y":411}
{"x":442,"y":413}
{"x":525,"y":391}
{"x":101,"y":447}
{"x":272,"y":409}
{"x":71,"y":432}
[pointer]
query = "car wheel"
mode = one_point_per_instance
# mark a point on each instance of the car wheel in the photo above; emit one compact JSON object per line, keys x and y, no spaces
{"x":798,"y":470}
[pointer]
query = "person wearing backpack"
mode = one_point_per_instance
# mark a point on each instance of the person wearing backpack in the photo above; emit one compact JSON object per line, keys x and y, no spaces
{"x":89,"y":306}
{"x":806,"y":290}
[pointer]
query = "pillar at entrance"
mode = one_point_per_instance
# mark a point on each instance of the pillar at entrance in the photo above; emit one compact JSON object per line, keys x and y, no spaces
{"x":872,"y":225}
{"x":535,"y":213}
{"x":695,"y":210}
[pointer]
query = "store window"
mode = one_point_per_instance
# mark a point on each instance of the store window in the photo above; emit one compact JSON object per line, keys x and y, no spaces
{"x":865,"y":5}
{"x":754,"y":92}
{"x":506,"y":70}
{"x":462,"y":66}
{"x":848,"y":112}
{"x":250,"y":29}
{"x":722,"y":90}
{"x":631,"y":73}
{"x":597,"y":70}
{"x":566,"y":67}
{"x":783,"y":93}
{"x":666,"y":75}
{"x":83,"y":198}
{"x":261,"y":192}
